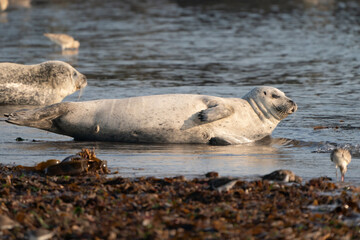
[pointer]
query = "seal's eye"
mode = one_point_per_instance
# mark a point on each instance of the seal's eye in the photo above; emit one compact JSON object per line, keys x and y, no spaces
{"x":275,"y":96}
{"x":264,"y":93}
{"x":74,"y":74}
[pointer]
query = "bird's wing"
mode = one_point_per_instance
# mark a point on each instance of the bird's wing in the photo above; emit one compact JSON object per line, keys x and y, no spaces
{"x":59,"y":38}
{"x":347,"y":157}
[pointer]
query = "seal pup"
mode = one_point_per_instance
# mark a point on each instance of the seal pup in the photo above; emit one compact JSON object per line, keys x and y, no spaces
{"x":172,"y":118}
{"x":41,"y":84}
{"x":64,"y":40}
{"x":341,"y":157}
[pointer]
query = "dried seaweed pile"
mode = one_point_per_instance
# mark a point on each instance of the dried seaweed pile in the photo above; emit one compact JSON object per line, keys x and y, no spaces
{"x":83,"y":163}
{"x":95,"y":207}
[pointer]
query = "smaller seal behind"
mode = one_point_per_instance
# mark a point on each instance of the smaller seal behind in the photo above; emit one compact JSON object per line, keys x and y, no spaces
{"x":41,"y":84}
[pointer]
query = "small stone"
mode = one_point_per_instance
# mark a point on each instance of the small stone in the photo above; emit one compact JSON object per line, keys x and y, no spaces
{"x":212,"y":175}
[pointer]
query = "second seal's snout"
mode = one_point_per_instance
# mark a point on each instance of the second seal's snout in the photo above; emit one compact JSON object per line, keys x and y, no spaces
{"x":82,"y":83}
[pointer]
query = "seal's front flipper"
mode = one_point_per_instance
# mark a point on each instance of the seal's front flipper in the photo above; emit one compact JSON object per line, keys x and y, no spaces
{"x":214,"y":112}
{"x":38,"y":118}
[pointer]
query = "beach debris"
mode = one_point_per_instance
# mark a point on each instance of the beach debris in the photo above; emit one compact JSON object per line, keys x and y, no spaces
{"x":341,"y":157}
{"x":319,"y":127}
{"x":82,"y":163}
{"x":92,"y":207}
{"x":7,"y":223}
{"x":40,"y":167}
{"x":40,"y":234}
{"x":64,"y":40}
{"x":212,"y":175}
{"x":282,"y":175}
{"x":336,"y":127}
{"x":322,"y":183}
{"x":73,"y":165}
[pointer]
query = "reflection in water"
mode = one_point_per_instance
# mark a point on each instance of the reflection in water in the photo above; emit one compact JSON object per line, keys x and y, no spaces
{"x":323,"y":5}
{"x":4,"y":4}
{"x":21,"y":3}
{"x":162,"y":160}
{"x":70,"y":52}
{"x":190,"y":160}
{"x":3,"y":17}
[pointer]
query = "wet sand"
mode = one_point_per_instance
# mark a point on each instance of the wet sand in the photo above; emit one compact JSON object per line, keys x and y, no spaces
{"x":103,"y":207}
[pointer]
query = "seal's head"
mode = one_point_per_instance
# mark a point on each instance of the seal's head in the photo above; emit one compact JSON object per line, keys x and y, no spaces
{"x":59,"y":73}
{"x":270,"y":103}
{"x":62,"y":77}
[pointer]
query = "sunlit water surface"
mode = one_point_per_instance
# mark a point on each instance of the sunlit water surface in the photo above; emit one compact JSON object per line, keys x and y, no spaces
{"x":308,"y":49}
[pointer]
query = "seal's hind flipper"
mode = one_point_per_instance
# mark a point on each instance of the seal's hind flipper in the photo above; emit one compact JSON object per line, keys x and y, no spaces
{"x":38,"y":118}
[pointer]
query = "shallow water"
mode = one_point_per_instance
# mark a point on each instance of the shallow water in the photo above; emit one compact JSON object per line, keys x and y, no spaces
{"x":308,"y":49}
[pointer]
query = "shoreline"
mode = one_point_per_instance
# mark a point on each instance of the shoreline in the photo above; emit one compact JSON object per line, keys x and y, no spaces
{"x":99,"y":207}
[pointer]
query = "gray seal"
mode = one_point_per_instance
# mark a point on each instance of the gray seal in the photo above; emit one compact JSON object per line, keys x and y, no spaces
{"x":41,"y":84}
{"x":173,"y":118}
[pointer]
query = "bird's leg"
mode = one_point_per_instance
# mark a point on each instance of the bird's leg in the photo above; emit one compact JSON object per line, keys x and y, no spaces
{"x":336,"y":173}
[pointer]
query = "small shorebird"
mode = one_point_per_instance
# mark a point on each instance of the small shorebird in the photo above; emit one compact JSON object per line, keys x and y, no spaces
{"x":282,"y":175}
{"x":223,"y":184}
{"x":341,"y":157}
{"x":64,"y":40}
{"x":4,"y":4}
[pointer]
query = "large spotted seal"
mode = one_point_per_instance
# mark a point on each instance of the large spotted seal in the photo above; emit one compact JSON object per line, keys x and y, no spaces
{"x":175,"y":118}
{"x":41,"y":84}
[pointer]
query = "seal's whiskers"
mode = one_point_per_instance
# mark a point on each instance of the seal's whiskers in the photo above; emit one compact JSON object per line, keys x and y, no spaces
{"x":80,"y":93}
